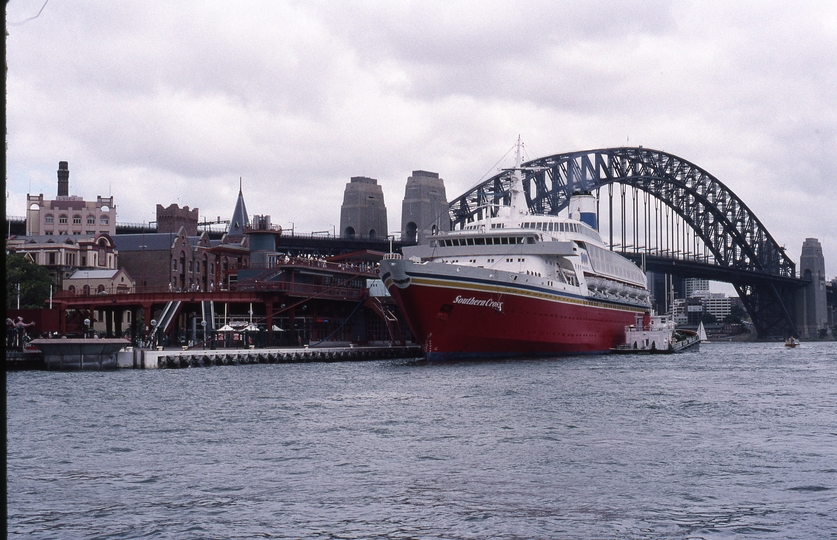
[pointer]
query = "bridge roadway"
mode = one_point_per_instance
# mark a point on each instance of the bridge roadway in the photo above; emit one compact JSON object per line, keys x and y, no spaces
{"x":692,"y":268}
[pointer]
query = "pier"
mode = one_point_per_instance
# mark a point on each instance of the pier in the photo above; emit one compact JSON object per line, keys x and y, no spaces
{"x":137,"y":358}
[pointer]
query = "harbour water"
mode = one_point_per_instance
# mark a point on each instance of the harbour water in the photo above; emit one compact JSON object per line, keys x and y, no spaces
{"x":731,"y":440}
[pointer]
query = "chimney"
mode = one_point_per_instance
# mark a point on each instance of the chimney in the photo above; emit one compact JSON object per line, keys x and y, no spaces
{"x":63,"y":179}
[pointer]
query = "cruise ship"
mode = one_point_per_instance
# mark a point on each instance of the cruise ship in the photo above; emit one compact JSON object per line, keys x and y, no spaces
{"x":511,"y":283}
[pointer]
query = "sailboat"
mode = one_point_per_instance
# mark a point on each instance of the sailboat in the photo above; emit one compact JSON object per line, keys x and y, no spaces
{"x":702,"y":333}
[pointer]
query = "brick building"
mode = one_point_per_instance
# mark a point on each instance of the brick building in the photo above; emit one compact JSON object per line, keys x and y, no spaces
{"x":179,"y":261}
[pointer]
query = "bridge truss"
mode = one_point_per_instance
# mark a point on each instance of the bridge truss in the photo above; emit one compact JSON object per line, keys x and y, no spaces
{"x":740,"y":248}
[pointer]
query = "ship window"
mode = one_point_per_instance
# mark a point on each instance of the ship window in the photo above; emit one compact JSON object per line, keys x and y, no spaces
{"x":552,"y":227}
{"x":471,"y":242}
{"x":479,"y":241}
{"x":504,"y":240}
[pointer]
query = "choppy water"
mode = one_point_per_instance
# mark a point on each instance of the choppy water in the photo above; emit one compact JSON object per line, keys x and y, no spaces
{"x":735,"y":440}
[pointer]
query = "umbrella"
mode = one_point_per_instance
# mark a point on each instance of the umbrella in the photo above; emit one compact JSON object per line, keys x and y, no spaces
{"x":225,"y":328}
{"x":277,"y":329}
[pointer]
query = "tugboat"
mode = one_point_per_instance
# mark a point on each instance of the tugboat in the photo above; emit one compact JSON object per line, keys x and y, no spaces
{"x":657,"y":335}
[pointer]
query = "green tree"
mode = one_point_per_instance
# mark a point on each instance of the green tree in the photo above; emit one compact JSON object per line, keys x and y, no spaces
{"x":708,"y":318}
{"x":34,"y":282}
{"x":739,"y":313}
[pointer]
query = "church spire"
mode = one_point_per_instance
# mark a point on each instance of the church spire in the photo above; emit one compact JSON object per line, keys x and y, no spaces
{"x":239,"y":219}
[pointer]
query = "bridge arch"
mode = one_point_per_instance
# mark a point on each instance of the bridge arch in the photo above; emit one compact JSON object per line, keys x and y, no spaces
{"x":745,"y":253}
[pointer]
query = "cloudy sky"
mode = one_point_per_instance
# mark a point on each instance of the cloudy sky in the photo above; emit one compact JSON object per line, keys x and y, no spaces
{"x":174,"y":102}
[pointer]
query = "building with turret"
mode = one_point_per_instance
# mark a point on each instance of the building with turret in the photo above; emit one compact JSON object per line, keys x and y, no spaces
{"x":171,"y":218}
{"x":240,"y":221}
{"x":68,"y":214}
{"x":424,"y":210}
{"x":363,"y":213}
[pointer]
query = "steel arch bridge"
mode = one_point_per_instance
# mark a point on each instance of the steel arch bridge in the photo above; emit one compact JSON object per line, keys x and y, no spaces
{"x":744,"y":252}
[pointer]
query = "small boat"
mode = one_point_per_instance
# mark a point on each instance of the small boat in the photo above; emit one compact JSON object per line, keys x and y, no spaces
{"x":658,"y":336}
{"x":791,"y":342}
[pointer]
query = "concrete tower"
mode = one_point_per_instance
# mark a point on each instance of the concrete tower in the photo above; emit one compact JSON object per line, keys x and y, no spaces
{"x":363,"y":213}
{"x":424,"y":211}
{"x":811,"y":308}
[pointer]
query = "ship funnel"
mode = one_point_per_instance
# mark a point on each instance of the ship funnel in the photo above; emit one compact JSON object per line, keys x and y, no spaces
{"x":583,"y":209}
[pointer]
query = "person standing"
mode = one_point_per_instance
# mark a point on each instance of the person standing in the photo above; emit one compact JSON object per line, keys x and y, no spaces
{"x":10,"y":333}
{"x":20,"y":328}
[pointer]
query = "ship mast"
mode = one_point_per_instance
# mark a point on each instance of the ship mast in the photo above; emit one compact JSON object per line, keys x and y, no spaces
{"x":517,"y":204}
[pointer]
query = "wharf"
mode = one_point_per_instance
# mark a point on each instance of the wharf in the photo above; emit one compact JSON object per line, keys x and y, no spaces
{"x":172,"y":358}
{"x":136,"y":358}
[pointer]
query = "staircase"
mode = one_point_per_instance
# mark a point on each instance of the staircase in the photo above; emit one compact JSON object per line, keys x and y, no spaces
{"x":168,"y":314}
{"x":389,"y":318}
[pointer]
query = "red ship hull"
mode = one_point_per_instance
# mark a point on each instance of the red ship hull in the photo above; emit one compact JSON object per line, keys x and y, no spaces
{"x":459,"y":318}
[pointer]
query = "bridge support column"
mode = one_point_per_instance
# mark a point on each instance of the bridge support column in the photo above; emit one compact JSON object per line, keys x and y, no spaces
{"x":108,"y":315}
{"x":268,"y":310}
{"x":146,"y":319}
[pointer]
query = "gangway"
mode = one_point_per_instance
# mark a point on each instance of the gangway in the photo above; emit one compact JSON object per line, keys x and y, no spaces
{"x":389,"y":318}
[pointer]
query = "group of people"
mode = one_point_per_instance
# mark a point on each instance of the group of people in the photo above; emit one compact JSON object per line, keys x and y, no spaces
{"x":16,"y":333}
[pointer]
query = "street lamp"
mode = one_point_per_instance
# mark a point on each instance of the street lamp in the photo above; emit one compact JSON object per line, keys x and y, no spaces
{"x":87,"y":327}
{"x":153,"y":332}
{"x":203,"y":326}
